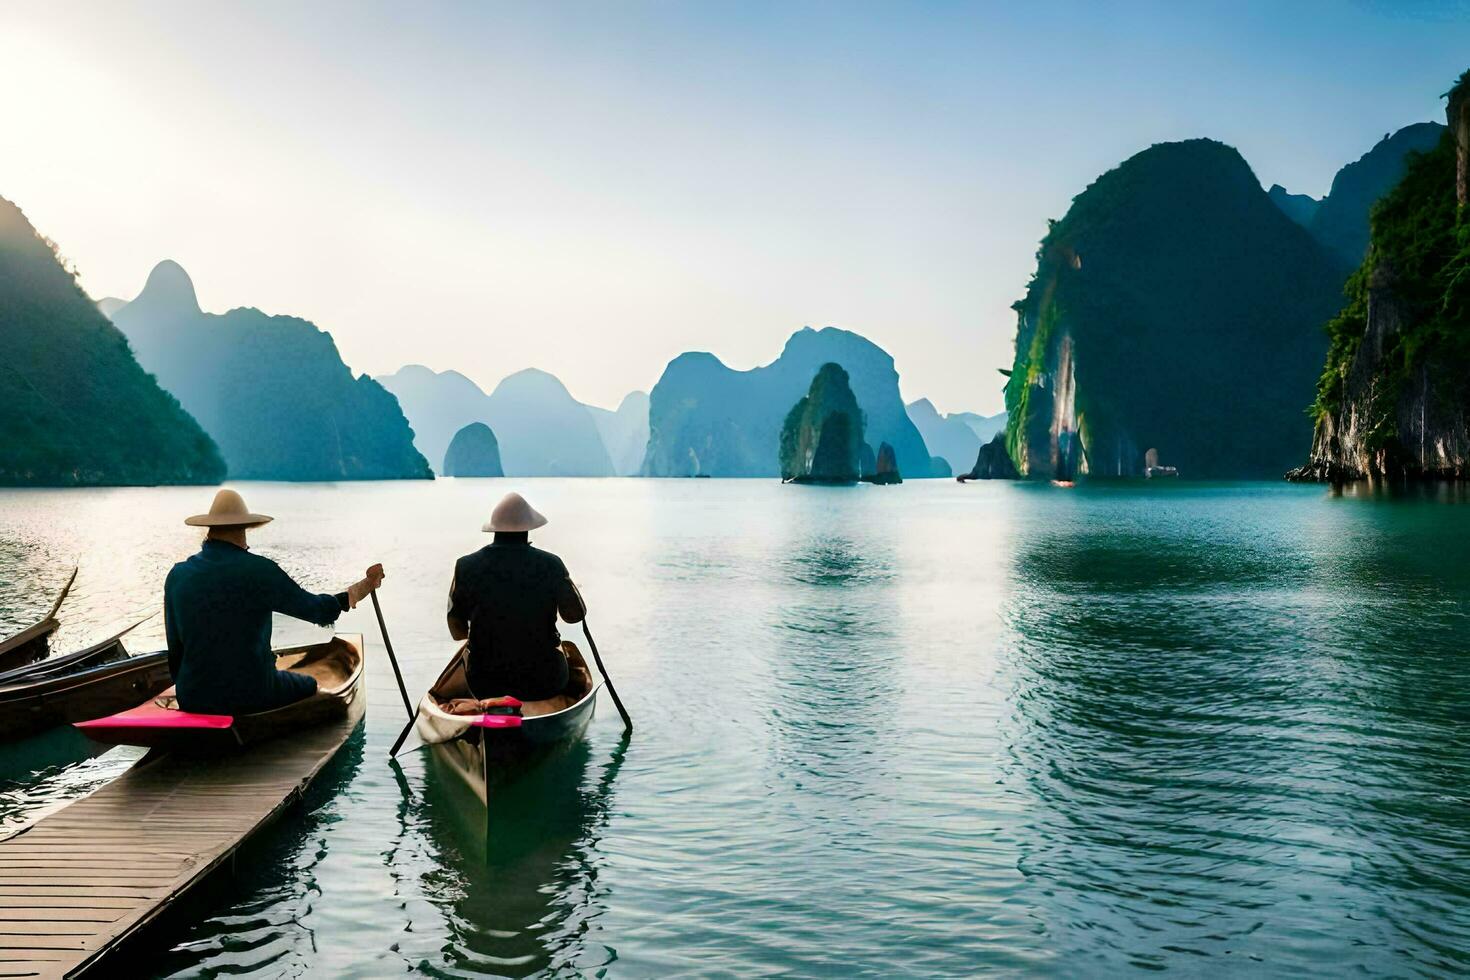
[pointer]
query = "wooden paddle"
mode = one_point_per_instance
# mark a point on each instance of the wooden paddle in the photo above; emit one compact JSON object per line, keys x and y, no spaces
{"x":388,"y":645}
{"x":627,"y":722}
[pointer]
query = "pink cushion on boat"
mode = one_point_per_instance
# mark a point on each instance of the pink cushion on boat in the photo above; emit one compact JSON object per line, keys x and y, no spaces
{"x":497,"y":721}
{"x":151,"y":715}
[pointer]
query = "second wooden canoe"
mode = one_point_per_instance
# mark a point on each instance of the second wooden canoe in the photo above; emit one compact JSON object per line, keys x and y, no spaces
{"x":478,"y":747}
{"x":34,"y":642}
{"x":105,"y":679}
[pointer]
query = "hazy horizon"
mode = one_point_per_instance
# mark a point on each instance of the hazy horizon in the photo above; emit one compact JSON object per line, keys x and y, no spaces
{"x":593,"y":190}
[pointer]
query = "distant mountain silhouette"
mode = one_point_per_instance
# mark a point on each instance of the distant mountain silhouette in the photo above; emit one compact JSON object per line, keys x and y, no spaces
{"x":541,"y":428}
{"x":1340,"y":220}
{"x":1301,"y":208}
{"x":947,"y":436}
{"x":473,"y":451}
{"x":78,"y":409}
{"x":271,"y":390}
{"x":110,"y":305}
{"x":624,"y":432}
{"x":984,"y":426}
{"x":708,"y":419}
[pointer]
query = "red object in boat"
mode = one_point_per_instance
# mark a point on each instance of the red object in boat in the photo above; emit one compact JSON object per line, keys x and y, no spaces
{"x":152,"y":715}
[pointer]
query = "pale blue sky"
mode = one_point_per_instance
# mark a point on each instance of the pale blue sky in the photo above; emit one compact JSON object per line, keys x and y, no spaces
{"x":594,"y":188}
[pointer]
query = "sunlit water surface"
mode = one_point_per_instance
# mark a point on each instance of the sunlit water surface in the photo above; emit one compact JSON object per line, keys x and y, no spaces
{"x":932,"y":729}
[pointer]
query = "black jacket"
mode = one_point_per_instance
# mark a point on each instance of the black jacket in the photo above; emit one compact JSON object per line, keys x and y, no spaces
{"x":508,"y":594}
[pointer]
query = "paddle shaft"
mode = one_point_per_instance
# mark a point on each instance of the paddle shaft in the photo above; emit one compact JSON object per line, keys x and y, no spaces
{"x":388,"y":645}
{"x":627,"y":722}
{"x":403,"y":735}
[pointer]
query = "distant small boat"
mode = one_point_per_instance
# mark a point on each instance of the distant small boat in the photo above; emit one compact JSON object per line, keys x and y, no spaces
{"x":34,"y":642}
{"x":476,"y":746}
{"x":1154,"y":472}
{"x":158,"y":723}
{"x":83,"y":685}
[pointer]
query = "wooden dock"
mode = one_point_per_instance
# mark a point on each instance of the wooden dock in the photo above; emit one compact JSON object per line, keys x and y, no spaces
{"x":80,"y":882}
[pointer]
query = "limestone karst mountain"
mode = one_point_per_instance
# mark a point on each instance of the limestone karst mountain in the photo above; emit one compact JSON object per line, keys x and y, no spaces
{"x":542,"y":430}
{"x":822,"y":436}
{"x":473,"y":451}
{"x":79,"y":410}
{"x":1395,"y":395}
{"x":992,"y":462}
{"x":711,"y":420}
{"x":271,"y":390}
{"x":1176,"y":307}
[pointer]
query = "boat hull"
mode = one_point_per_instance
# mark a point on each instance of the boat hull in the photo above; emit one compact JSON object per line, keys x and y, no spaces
{"x":481,"y":748}
{"x":482,"y":755}
{"x":34,"y":704}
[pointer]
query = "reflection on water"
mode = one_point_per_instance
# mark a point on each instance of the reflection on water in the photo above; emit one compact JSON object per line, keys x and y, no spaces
{"x":1233,"y":757}
{"x":42,"y":772}
{"x":933,"y":730}
{"x":837,"y":671}
{"x":272,"y":932}
{"x":516,"y":886}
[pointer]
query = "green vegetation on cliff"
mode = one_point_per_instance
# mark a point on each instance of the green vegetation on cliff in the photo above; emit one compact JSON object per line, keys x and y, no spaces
{"x":1421,"y":251}
{"x":78,"y":408}
{"x":822,"y":438}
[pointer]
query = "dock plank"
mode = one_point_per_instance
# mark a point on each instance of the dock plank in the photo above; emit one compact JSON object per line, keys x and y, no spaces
{"x":87,"y":877}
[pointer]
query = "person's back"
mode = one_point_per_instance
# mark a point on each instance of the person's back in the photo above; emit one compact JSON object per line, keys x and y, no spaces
{"x":505,"y":599}
{"x":217,"y":613}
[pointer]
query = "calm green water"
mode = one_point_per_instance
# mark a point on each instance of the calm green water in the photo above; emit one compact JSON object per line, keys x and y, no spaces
{"x":925,"y":730}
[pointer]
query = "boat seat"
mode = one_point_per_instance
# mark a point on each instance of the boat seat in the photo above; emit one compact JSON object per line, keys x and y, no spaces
{"x":154,"y":715}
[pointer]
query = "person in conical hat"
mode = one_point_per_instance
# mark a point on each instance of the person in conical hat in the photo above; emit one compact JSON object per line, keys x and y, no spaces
{"x":217,"y":608}
{"x":505,"y":599}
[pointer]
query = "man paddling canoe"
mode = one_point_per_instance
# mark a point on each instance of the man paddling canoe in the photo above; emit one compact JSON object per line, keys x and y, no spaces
{"x":505,"y":599}
{"x":217,"y":609}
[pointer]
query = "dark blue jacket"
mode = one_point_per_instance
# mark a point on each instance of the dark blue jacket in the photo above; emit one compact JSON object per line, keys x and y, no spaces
{"x":217,"y":609}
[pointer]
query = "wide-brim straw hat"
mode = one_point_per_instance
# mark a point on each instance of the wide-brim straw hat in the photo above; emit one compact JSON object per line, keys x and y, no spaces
{"x":514,"y":514}
{"x":228,"y":510}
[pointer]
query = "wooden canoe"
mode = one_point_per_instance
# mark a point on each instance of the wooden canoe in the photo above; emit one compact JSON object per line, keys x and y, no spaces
{"x":84,"y":685}
{"x":108,"y":651}
{"x":476,"y":747}
{"x":158,"y":723}
{"x":33,"y":642}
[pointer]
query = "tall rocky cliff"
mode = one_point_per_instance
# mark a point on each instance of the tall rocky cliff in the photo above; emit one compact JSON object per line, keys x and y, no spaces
{"x":78,"y":409}
{"x":1394,"y":397}
{"x":271,"y":390}
{"x":1175,"y":308}
{"x":708,"y":419}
